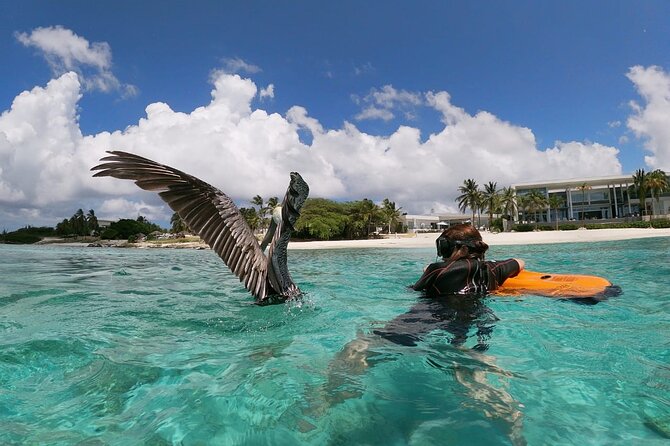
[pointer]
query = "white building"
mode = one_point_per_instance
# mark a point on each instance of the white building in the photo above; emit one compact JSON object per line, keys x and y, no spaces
{"x":611,"y":197}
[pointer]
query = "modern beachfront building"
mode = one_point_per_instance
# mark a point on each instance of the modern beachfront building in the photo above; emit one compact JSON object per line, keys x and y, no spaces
{"x":434,"y":222}
{"x":604,"y":198}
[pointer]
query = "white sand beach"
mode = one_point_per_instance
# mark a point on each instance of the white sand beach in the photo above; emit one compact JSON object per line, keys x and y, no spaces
{"x":427,"y":240}
{"x":422,"y":240}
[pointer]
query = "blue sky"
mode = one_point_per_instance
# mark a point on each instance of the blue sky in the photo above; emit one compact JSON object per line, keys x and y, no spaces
{"x":560,"y":70}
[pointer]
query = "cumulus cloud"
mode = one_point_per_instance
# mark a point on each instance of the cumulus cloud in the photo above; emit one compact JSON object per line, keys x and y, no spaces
{"x":118,"y":208}
{"x":65,"y":51}
{"x":372,"y":112}
{"x":236,"y":65}
{"x":651,"y":120}
{"x":245,"y":151}
{"x":267,"y":92}
{"x":381,"y":103}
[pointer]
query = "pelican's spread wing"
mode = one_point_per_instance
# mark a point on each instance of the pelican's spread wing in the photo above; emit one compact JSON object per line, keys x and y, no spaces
{"x":204,"y":208}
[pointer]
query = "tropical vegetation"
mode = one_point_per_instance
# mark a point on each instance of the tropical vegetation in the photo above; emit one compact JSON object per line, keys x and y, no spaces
{"x":125,"y":229}
{"x":528,"y":206}
{"x":79,"y":224}
{"x":324,"y":219}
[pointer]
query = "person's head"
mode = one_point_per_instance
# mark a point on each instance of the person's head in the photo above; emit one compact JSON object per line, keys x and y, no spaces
{"x":461,"y":241}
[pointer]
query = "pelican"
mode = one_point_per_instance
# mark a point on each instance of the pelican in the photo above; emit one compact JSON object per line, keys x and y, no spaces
{"x":214,"y":217}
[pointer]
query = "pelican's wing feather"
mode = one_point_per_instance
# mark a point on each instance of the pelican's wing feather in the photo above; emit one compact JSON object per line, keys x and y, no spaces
{"x":205,"y":209}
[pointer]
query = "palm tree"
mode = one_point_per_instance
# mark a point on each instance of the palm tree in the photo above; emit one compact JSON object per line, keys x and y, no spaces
{"x":555,"y":202}
{"x":369,"y":213}
{"x":251,"y":217}
{"x":262,"y":210}
{"x":657,"y":182}
{"x":537,"y":201}
{"x":390,"y":212}
{"x":583,"y":188}
{"x":481,"y":207}
{"x":507,"y":203}
{"x":92,"y":221}
{"x":78,"y":222}
{"x":469,"y":197}
{"x":523,"y":202}
{"x":177,"y":224}
{"x":273,"y":202}
{"x":491,"y":200}
{"x":640,"y":186}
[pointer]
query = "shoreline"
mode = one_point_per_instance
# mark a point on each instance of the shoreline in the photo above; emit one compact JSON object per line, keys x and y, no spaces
{"x":427,"y":240}
{"x":419,"y":240}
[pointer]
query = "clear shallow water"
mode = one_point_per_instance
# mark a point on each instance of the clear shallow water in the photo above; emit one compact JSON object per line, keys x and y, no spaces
{"x":112,"y":346}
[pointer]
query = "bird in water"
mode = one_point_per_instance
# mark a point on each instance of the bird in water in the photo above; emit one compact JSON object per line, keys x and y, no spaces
{"x":216,"y":219}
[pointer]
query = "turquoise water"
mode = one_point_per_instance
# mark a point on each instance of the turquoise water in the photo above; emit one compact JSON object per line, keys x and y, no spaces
{"x":113,"y":346}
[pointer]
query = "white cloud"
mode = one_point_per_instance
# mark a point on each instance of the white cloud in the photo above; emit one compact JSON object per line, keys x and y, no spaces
{"x":380,"y":104}
{"x":298,"y":115}
{"x":65,"y":51}
{"x":267,"y":92}
{"x":365,"y":68}
{"x":651,"y":121}
{"x":237,"y":65}
{"x":118,"y":208}
{"x":372,"y":112}
{"x":247,"y":151}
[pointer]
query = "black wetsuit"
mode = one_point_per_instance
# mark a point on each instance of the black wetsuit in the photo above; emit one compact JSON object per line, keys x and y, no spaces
{"x":456,"y":304}
{"x":465,"y":276}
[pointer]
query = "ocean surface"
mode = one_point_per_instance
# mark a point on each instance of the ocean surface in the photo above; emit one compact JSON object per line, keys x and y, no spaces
{"x":157,"y":346}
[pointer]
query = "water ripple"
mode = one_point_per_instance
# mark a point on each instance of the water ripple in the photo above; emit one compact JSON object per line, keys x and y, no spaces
{"x":111,"y":346}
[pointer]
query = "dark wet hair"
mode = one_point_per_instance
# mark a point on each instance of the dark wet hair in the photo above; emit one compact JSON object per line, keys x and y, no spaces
{"x":462,"y":241}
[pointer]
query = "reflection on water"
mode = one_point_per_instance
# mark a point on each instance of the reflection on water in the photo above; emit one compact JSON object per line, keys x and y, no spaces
{"x":455,"y":315}
{"x":116,"y":346}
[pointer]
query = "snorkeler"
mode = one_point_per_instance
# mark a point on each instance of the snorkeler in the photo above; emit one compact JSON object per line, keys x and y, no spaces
{"x":455,"y":287}
{"x":463,"y":269}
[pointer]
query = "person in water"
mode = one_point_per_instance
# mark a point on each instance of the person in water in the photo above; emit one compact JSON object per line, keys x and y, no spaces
{"x":453,"y":302}
{"x":463,"y":269}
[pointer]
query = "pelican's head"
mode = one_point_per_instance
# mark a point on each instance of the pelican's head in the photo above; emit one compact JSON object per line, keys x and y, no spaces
{"x":298,"y":190}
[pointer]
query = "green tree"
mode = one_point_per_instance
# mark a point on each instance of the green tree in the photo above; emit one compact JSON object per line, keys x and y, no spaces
{"x":523,"y":203}
{"x":491,"y":200}
{"x":366,"y":213}
{"x":390,"y":213}
{"x":640,"y":186}
{"x":583,"y":188}
{"x":78,"y":223}
{"x":508,"y":203}
{"x":469,"y":197}
{"x":251,"y":217}
{"x":555,"y":202}
{"x":64,"y":228}
{"x":125,"y":228}
{"x":177,"y":225}
{"x":262,"y":211}
{"x":92,"y":221}
{"x":273,"y":202}
{"x":537,"y":202}
{"x":322,"y":219}
{"x":657,"y":182}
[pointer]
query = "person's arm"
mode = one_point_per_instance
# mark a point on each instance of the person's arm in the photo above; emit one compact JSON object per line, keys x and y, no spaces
{"x":505,"y":269}
{"x":425,"y":279}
